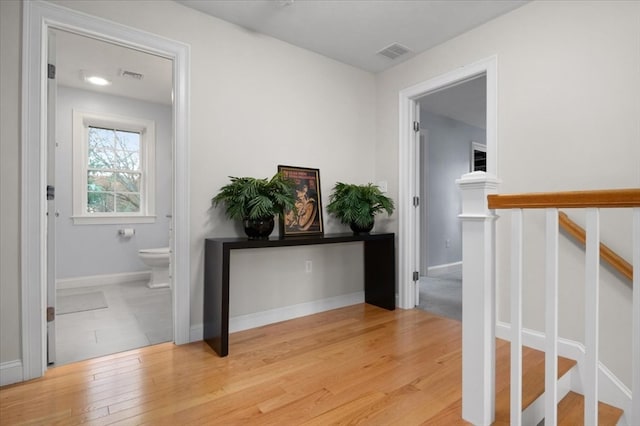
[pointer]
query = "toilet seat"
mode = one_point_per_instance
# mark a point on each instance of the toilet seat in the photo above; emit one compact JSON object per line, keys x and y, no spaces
{"x":161,"y":250}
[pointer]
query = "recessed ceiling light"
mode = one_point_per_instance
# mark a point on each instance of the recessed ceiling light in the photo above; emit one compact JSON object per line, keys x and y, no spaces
{"x":97,"y":80}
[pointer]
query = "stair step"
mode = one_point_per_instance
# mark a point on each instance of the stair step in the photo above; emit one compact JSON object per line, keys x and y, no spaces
{"x":571,"y":411}
{"x":532,"y":378}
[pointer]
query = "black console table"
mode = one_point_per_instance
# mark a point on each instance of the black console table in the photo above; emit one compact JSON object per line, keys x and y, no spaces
{"x":379,"y":275}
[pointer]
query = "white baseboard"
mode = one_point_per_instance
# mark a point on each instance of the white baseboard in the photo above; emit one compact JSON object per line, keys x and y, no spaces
{"x":610,"y":389}
{"x":258,"y":319}
{"x":445,"y":269}
{"x":108,"y":279}
{"x":10,"y":372}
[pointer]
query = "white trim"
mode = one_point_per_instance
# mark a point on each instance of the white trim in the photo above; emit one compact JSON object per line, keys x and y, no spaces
{"x":634,"y":416}
{"x":258,"y":319}
{"x":10,"y":372}
{"x":112,"y":220}
{"x":38,"y":17}
{"x":106,"y":279}
{"x":406,"y":191}
{"x":610,"y":389}
{"x":444,"y":269}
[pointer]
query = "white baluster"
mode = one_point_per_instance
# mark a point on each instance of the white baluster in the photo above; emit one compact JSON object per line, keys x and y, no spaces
{"x":591,"y":311}
{"x":551,"y":319}
{"x":516,"y":317}
{"x":635,"y":367}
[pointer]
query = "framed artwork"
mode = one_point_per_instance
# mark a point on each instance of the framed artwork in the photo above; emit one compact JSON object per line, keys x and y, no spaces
{"x":306,"y":217}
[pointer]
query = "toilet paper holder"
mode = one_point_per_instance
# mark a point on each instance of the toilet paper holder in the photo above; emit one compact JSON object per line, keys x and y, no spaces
{"x":127,"y":232}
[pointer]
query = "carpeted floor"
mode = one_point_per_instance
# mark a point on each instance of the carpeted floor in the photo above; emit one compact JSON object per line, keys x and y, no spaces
{"x":442,"y":295}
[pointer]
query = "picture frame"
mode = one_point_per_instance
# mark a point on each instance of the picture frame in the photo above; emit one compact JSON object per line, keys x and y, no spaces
{"x":306,"y":218}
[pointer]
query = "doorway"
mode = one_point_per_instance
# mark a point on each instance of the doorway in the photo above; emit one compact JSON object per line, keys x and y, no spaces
{"x":409,"y":170}
{"x":39,"y":18}
{"x":110,"y":164}
{"x":452,"y":129}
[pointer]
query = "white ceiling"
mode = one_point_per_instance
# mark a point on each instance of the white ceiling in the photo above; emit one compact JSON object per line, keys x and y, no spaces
{"x":353,"y":31}
{"x":76,"y":54}
{"x":466,"y":102}
{"x":345,"y":30}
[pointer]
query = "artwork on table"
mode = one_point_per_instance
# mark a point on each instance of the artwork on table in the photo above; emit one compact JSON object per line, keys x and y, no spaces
{"x":306,"y":217}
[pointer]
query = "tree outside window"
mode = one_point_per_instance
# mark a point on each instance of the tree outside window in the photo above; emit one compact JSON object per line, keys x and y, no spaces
{"x":114,"y":173}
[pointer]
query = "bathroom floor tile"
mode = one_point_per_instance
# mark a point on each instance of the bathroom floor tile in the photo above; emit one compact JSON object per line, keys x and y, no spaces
{"x":136,"y":316}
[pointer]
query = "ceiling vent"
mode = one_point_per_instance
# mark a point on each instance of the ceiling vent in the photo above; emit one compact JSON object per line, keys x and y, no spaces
{"x":131,"y":74}
{"x":394,"y":50}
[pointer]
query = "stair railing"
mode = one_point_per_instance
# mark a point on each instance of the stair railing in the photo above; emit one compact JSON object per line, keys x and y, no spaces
{"x":479,"y":200}
{"x":616,"y":261}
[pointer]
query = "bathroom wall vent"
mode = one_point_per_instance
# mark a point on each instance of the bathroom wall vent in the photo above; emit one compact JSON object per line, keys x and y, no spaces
{"x":394,"y":50}
{"x":131,"y":74}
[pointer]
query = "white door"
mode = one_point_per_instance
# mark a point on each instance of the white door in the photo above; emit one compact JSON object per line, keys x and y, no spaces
{"x":52,"y":214}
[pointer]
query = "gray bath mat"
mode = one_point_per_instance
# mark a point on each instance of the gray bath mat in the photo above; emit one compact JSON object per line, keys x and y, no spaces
{"x":80,"y":302}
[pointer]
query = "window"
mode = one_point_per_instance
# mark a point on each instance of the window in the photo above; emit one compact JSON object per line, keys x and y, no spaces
{"x":113,"y":169}
{"x":478,"y":157}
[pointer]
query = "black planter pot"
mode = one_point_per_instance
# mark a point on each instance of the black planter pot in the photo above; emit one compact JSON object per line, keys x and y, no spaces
{"x":357,"y":229}
{"x":258,"y":229}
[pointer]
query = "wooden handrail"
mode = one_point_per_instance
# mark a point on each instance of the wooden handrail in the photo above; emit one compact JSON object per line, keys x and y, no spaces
{"x":608,"y":255}
{"x":573,"y":199}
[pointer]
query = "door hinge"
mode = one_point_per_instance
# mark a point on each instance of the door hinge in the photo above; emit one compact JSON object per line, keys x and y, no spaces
{"x":51,"y":71}
{"x":416,"y":126}
{"x":51,"y":313}
{"x":416,"y":201}
{"x":51,"y":192}
{"x":416,"y":276}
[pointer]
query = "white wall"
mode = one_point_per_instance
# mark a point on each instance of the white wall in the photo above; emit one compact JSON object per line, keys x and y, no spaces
{"x":256,"y":102}
{"x":568,"y":108}
{"x":10,"y":34}
{"x":101,"y":249}
{"x":447,"y":154}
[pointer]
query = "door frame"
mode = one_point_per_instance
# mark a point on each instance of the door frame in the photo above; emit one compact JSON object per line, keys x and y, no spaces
{"x":38,"y":17}
{"x":407,"y":232}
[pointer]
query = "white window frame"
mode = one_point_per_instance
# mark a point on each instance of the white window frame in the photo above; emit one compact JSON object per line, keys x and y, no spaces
{"x":82,"y":120}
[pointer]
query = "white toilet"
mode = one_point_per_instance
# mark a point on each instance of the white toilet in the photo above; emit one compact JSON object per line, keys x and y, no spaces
{"x":158,"y":260}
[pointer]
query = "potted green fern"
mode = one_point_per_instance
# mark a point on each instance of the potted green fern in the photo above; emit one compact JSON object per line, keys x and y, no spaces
{"x":256,"y":202}
{"x":356,"y":205}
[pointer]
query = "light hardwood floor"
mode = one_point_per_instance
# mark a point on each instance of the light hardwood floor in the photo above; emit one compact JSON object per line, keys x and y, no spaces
{"x":359,"y":364}
{"x":356,"y":364}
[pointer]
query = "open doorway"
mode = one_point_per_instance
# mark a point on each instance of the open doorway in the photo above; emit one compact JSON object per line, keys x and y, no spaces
{"x":39,"y":18}
{"x":452,"y":138}
{"x":111,"y":164}
{"x":409,"y":234}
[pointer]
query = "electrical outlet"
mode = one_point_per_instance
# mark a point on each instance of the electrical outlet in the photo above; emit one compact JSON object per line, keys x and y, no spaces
{"x":382,"y":185}
{"x":308,"y":266}
{"x":447,"y":243}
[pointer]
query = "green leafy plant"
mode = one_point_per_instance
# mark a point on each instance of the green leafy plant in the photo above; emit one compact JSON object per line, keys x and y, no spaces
{"x":252,"y":198}
{"x":358,"y":204}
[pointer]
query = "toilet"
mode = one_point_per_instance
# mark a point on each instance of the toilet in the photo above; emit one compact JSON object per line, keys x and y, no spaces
{"x":158,"y":260}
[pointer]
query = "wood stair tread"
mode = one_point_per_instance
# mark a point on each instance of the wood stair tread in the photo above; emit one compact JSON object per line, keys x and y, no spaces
{"x":532,"y":378}
{"x":571,"y":411}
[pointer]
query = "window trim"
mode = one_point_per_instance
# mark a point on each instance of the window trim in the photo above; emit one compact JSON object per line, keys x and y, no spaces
{"x":82,"y":120}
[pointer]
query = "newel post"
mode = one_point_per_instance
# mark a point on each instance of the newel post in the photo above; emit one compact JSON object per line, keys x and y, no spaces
{"x":478,"y":298}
